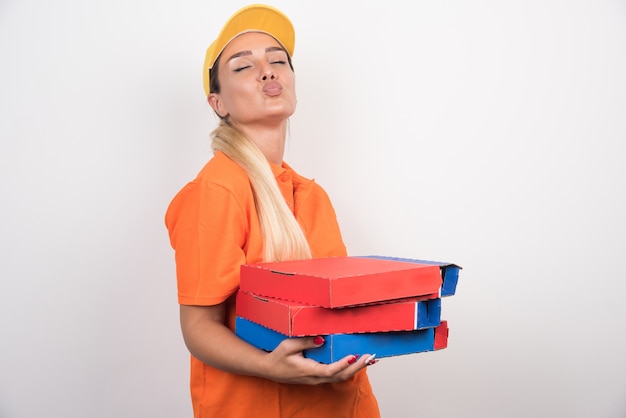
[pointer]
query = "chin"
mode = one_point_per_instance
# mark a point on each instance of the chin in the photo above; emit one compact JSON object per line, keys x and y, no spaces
{"x":282,"y":112}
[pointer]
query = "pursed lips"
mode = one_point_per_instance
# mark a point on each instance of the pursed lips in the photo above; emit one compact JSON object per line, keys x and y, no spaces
{"x":272,"y":88}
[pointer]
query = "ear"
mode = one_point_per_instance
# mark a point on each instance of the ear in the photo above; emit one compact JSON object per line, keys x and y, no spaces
{"x":217,"y":105}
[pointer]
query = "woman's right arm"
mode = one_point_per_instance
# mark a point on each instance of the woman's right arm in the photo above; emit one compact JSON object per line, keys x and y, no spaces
{"x":211,"y":342}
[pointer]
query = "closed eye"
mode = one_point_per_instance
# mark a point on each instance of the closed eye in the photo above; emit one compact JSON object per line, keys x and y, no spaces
{"x":279,"y":62}
{"x":239,"y":69}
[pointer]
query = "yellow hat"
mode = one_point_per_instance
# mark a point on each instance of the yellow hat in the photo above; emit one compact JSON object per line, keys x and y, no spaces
{"x":252,"y":18}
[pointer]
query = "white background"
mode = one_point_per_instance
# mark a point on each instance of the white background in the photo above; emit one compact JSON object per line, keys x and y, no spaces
{"x":485,"y":133}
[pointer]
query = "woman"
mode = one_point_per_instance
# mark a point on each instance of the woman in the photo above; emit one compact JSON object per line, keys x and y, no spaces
{"x":247,"y":206}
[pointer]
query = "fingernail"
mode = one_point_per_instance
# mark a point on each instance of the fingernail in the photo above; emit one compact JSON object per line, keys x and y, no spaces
{"x":318,"y":340}
{"x":371,"y":360}
{"x":353,"y":359}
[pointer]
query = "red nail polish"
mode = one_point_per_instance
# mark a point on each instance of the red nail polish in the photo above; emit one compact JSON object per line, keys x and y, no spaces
{"x":353,"y":359}
{"x":318,"y":340}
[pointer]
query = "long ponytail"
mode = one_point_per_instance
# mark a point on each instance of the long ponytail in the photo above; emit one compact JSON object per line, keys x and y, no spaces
{"x":284,"y":239}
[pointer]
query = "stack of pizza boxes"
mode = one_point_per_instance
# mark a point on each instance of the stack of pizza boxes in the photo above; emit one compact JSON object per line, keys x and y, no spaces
{"x":372,"y":304}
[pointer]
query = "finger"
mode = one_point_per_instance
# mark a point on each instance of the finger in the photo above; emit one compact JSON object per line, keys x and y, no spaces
{"x":370,"y":360}
{"x":350,"y":361}
{"x":343,"y":368}
{"x":295,"y":345}
{"x":359,"y":362}
{"x":312,"y":342}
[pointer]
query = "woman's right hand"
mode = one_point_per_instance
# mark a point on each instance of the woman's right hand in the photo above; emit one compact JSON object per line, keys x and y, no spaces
{"x":212,"y":342}
{"x":287,"y":364}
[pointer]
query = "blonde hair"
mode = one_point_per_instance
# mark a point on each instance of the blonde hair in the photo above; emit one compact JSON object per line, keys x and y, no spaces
{"x":283,"y":236}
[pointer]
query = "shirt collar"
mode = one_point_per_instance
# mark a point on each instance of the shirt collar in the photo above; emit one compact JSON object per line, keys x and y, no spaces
{"x":299,"y":182}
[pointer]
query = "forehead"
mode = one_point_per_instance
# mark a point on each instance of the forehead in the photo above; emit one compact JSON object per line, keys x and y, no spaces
{"x":249,"y":41}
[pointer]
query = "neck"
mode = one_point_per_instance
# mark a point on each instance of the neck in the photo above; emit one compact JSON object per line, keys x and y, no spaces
{"x":270,"y":140}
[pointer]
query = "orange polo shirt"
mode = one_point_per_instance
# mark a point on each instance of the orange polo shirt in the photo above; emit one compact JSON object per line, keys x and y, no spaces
{"x":214,"y":229}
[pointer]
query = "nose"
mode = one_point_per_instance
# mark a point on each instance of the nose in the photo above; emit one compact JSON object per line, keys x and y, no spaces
{"x":268,"y":75}
{"x":267,"y":72}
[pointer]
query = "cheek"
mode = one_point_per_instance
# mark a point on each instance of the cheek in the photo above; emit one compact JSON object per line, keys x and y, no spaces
{"x":290,"y":83}
{"x":234,"y":92}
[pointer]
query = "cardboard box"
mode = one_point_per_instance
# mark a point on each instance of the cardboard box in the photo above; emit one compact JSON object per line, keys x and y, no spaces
{"x":338,"y":346}
{"x":333,"y":282}
{"x":449,"y":272}
{"x":296,"y":319}
{"x":441,"y":336}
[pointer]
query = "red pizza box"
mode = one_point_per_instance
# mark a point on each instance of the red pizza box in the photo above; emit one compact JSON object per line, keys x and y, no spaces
{"x":333,"y":282}
{"x":441,"y":336}
{"x":296,"y":319}
{"x":449,"y":272}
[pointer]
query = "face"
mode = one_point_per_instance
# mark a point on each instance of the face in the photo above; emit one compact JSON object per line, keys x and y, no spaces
{"x":256,"y":80}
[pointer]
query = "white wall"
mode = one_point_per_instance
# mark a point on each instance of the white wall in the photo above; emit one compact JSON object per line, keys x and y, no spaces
{"x":484,"y":133}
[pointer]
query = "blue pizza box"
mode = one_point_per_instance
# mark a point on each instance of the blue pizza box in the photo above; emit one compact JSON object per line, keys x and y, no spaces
{"x":449,"y":271}
{"x":338,"y":346}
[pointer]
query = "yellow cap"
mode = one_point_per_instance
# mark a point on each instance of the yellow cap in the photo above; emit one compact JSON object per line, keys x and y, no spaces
{"x":252,"y":18}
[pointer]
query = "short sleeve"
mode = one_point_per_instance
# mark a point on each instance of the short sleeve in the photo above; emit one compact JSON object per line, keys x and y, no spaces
{"x":208,"y":229}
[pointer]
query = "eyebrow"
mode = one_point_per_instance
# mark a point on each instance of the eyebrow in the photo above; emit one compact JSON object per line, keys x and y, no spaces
{"x":248,"y":52}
